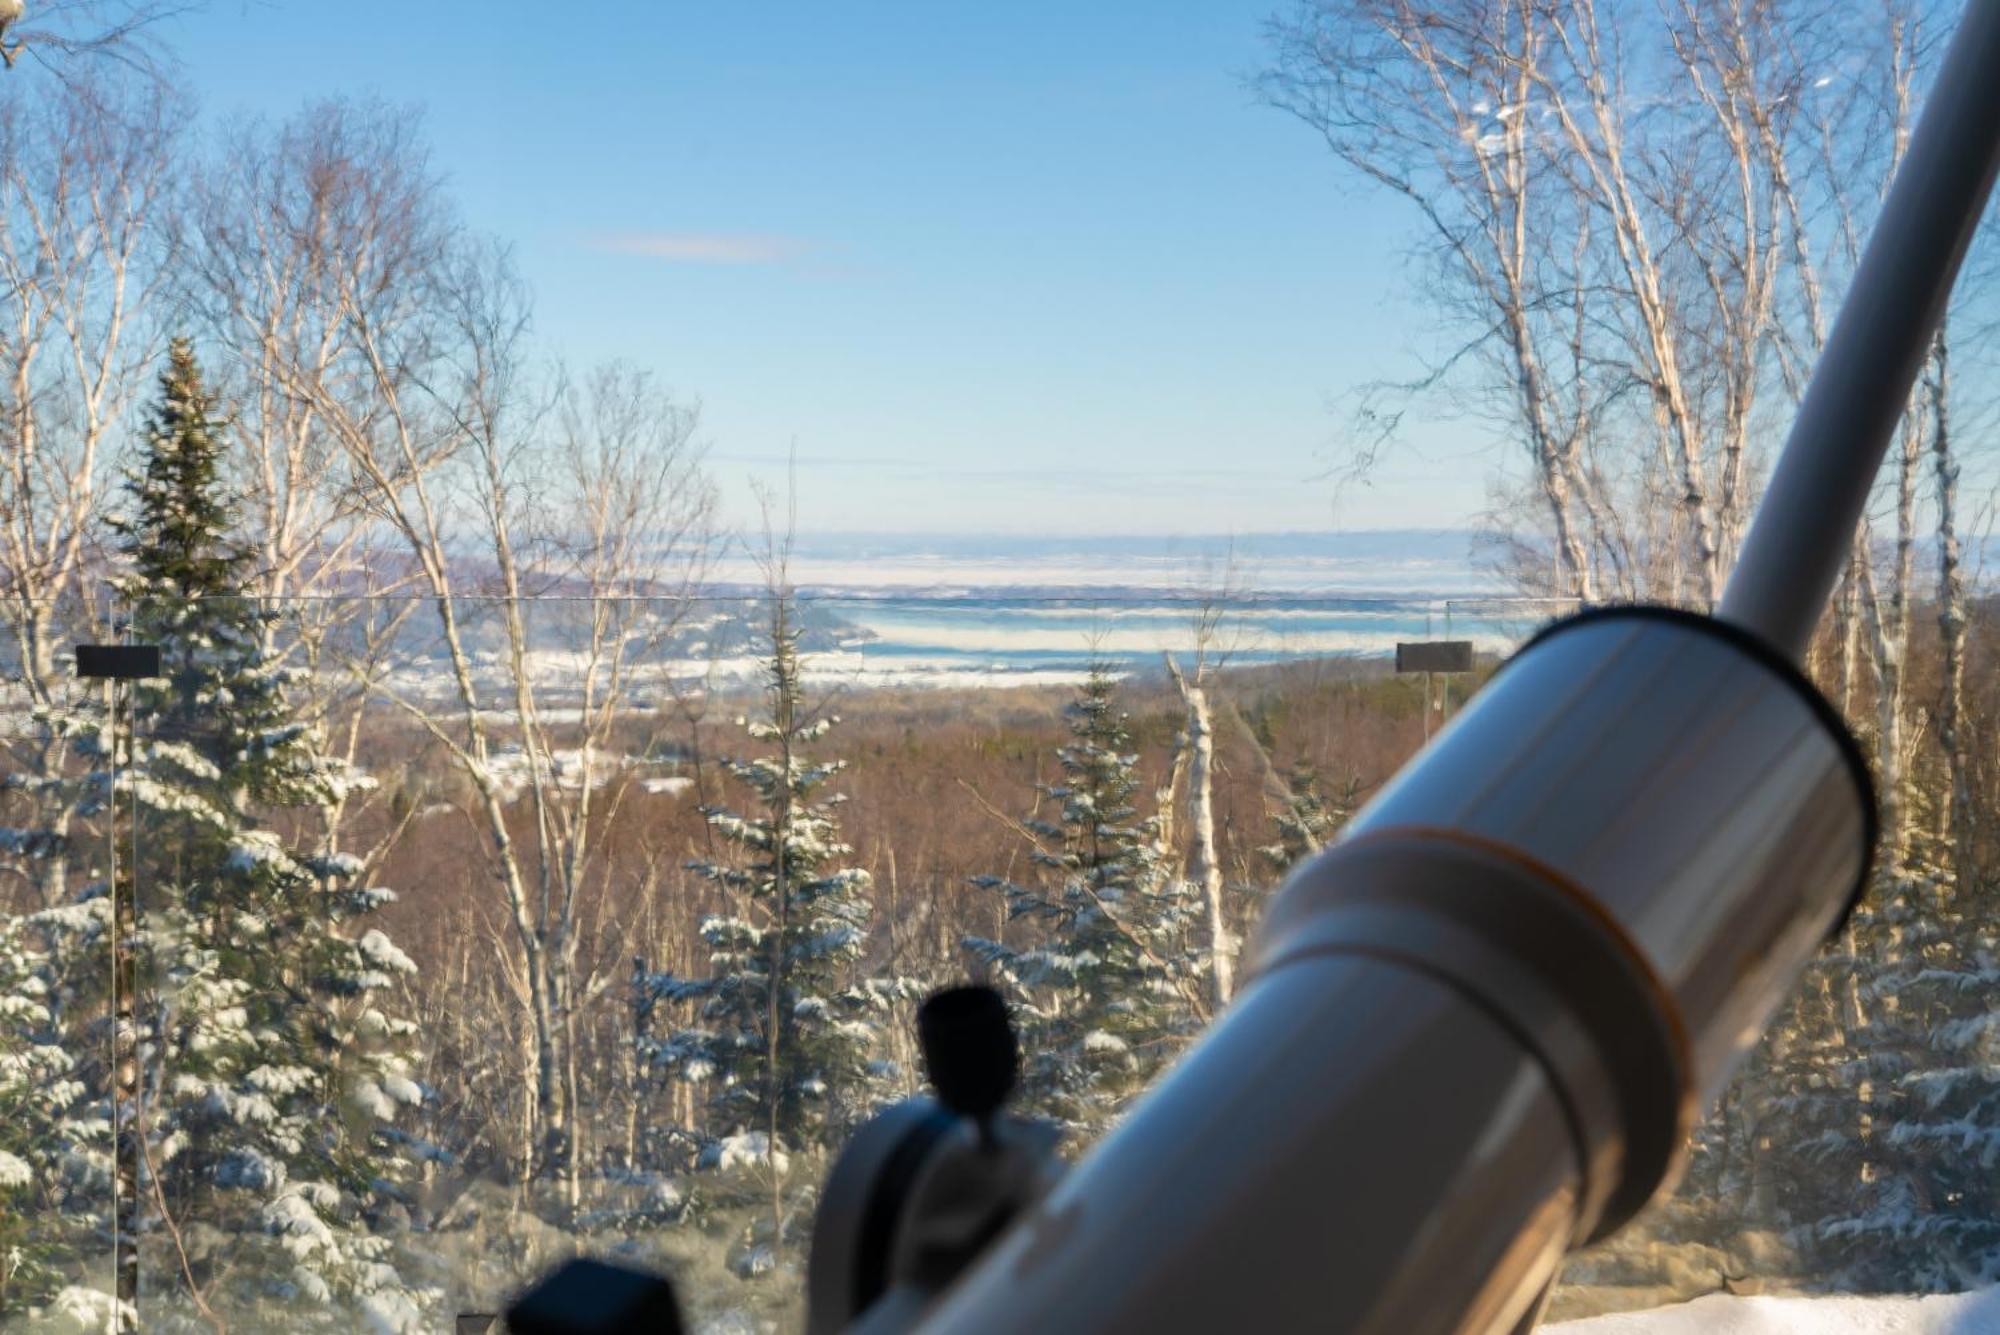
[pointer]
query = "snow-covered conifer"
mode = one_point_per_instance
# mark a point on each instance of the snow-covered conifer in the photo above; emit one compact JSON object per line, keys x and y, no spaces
{"x":1110,"y":987}
{"x":787,"y":1030}
{"x":1307,"y":820}
{"x":1913,"y":1202}
{"x":277,"y":1069}
{"x":54,"y":1140}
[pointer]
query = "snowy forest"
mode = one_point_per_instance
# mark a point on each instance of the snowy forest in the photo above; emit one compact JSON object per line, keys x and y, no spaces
{"x":480,"y":882}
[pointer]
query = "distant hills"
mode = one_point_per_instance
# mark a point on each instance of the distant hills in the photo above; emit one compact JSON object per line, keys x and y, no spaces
{"x":1431,"y":544}
{"x":1396,"y":562}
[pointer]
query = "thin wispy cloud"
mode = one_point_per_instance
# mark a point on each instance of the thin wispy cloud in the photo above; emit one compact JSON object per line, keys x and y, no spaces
{"x":705,"y":247}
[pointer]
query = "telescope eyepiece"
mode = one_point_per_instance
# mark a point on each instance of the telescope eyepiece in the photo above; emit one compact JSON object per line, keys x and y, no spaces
{"x":969,"y":1050}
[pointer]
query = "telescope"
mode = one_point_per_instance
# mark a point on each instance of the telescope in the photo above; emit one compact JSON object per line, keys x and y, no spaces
{"x":1477,"y":1030}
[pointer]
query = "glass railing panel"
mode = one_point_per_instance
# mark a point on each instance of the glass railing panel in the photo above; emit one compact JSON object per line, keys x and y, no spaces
{"x":430,"y":912}
{"x":450,"y":986}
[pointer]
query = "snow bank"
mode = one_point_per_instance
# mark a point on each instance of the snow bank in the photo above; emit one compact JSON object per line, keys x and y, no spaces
{"x":1720,"y":1314}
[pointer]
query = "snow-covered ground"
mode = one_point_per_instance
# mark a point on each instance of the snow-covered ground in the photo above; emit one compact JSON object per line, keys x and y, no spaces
{"x":1719,"y":1314}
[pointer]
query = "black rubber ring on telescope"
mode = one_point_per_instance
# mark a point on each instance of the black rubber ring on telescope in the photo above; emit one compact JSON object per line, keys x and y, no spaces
{"x":1785,"y":671}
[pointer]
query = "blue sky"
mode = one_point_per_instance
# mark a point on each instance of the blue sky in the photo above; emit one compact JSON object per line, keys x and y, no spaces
{"x":1031,"y":267}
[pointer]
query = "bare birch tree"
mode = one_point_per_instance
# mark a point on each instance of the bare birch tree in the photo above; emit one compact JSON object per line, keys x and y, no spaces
{"x":1432,"y":101}
{"x":1623,"y":202}
{"x":82,"y":176}
{"x":361,"y":346}
{"x":388,"y":384}
{"x":66,"y":38}
{"x":1197,"y":745}
{"x":285,"y":228}
{"x":1952,"y":616}
{"x":292,"y":226}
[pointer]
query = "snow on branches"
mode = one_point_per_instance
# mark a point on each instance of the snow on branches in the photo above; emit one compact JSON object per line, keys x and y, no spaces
{"x":1108,"y":984}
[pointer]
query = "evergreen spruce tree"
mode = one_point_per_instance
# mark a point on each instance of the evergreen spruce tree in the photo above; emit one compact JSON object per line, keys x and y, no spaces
{"x":1914,"y":1203}
{"x":1307,"y":821}
{"x":1867,"y":1127}
{"x":1106,"y":996}
{"x":56,"y":1157}
{"x":786,"y":1032}
{"x":55,"y":1160}
{"x":1792,"y":1149}
{"x":276,"y":1070}
{"x":1938,"y":1186}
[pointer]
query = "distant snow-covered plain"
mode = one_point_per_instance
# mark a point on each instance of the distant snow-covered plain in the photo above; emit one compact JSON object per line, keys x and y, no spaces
{"x":1396,"y":563}
{"x":984,"y":610}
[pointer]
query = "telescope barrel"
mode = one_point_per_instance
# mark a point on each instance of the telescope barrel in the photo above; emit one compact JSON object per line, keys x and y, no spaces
{"x":1804,"y":529}
{"x":1358,"y":1146}
{"x":1478,"y":1029}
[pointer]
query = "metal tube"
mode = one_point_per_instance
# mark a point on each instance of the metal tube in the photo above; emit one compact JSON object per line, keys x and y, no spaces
{"x":1359,"y":1147}
{"x":1476,"y":1030}
{"x":1804,"y":529}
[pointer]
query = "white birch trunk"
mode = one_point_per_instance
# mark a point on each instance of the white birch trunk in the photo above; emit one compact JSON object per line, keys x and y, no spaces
{"x":1204,"y":867}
